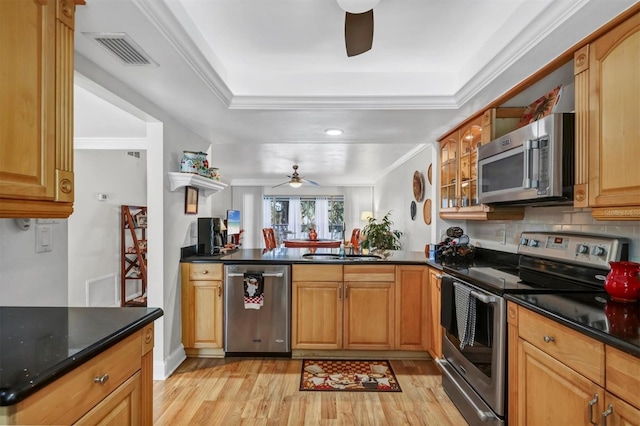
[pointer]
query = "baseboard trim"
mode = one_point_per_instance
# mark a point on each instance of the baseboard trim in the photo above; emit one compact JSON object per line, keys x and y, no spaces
{"x":162,"y":370}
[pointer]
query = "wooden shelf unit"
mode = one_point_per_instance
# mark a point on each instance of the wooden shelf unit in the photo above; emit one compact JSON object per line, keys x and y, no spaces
{"x":133,"y":245}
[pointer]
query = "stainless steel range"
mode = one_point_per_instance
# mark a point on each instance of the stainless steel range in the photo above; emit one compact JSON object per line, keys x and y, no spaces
{"x":474,"y":310}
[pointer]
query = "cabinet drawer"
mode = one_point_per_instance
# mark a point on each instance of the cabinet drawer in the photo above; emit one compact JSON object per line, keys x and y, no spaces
{"x":581,"y":353}
{"x":205,"y":271}
{"x":74,"y":394}
{"x":370,"y":273}
{"x":317,"y":273}
{"x":623,"y":375}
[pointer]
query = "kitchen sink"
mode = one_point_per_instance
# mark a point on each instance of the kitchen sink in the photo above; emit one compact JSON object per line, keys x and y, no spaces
{"x":347,"y":258}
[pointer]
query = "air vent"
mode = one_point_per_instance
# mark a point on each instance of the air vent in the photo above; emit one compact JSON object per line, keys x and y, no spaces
{"x":123,"y":48}
{"x":134,"y":153}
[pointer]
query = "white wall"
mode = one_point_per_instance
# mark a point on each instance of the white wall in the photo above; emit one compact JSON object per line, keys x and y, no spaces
{"x":28,"y":278}
{"x":94,"y":226}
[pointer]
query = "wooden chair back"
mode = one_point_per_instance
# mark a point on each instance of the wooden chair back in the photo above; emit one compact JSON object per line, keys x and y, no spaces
{"x":269,"y":238}
{"x":355,"y":238}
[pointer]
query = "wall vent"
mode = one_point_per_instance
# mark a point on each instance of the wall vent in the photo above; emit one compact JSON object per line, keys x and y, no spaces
{"x":122,"y":47}
{"x":103,"y":291}
{"x":134,"y":154}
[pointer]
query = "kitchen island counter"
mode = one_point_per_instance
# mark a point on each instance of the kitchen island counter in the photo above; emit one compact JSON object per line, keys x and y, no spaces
{"x":41,"y":344}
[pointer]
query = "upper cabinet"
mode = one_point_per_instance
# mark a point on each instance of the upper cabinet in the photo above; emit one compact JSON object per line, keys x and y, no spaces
{"x":36,"y":115}
{"x":607,"y":124}
{"x":459,"y":166}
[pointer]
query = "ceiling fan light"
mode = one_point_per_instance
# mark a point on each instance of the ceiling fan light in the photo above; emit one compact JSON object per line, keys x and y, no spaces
{"x":294,"y":184}
{"x":357,"y":6}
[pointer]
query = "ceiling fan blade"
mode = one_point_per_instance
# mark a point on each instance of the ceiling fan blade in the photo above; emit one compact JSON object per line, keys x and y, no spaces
{"x":358,"y":32}
{"x":310,"y":182}
{"x":283,"y":183}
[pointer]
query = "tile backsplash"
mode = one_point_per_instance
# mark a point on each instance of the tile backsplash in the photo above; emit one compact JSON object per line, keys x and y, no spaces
{"x":505,"y":235}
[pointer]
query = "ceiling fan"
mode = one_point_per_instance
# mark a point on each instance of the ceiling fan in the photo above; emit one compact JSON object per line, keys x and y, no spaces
{"x":358,"y":25}
{"x":296,"y":180}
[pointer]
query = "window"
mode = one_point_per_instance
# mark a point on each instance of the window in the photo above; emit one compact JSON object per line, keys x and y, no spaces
{"x":292,"y":217}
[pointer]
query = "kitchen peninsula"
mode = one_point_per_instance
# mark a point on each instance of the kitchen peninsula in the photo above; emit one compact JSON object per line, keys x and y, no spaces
{"x":62,"y":365}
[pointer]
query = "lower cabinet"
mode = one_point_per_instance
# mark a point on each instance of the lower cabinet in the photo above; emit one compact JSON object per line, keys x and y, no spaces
{"x":202,"y":309}
{"x":560,"y":376}
{"x":412,"y":308}
{"x":113,"y":388}
{"x":343,"y":307}
{"x":434,"y":345}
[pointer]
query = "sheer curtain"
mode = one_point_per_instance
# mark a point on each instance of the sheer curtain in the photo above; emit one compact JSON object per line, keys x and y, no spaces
{"x":322,"y":217}
{"x":266,"y":212}
{"x":295,"y":214}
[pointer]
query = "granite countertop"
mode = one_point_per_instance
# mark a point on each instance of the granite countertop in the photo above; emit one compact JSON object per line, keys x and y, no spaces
{"x":594,"y":314}
{"x":40,"y":344}
{"x":291,"y":255}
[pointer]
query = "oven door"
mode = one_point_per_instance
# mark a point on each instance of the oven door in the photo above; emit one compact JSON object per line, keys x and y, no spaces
{"x":481,"y":363}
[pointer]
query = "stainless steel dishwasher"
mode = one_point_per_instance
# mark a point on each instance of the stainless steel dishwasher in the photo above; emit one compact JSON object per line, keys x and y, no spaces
{"x":251,"y":326}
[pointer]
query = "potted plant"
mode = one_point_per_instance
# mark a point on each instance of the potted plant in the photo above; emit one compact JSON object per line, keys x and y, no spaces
{"x":380,"y":236}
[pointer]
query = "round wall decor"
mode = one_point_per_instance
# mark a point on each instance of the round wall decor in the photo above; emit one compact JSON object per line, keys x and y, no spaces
{"x":426,"y":211}
{"x":418,"y":186}
{"x":414,"y":208}
{"x":429,"y":174}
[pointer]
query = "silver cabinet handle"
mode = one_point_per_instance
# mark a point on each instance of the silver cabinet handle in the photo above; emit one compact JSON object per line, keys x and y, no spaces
{"x":593,"y":402}
{"x":219,"y":292}
{"x":606,"y":414}
{"x":101,"y":379}
{"x":266,"y":274}
{"x":340,"y":293}
{"x":346,"y":292}
{"x":548,"y":339}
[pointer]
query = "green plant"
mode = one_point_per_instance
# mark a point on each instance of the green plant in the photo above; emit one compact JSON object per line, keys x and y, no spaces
{"x":380,"y":236}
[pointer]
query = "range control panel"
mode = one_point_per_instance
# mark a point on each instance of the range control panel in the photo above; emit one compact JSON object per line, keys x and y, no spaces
{"x":585,"y":249}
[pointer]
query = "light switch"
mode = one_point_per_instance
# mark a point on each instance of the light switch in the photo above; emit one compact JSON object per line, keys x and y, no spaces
{"x":44,"y":240}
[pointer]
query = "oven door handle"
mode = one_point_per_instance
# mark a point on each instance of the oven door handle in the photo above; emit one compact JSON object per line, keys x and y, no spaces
{"x":484,"y":416}
{"x":480,"y":296}
{"x":264,"y":274}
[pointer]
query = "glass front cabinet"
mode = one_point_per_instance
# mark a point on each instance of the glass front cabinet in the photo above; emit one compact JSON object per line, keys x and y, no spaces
{"x":459,"y":166}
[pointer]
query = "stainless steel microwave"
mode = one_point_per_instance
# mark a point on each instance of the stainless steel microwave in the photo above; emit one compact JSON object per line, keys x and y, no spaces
{"x":534,"y":164}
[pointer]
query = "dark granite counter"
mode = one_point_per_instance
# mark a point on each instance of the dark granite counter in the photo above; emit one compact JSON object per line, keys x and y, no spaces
{"x":290,"y":256}
{"x":40,"y":344}
{"x":594,"y":314}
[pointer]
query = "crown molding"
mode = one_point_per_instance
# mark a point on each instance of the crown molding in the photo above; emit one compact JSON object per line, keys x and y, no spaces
{"x":344,"y":102}
{"x":166,"y":22}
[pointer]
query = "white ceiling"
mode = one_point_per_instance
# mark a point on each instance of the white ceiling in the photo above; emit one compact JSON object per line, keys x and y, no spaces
{"x":262,"y":80}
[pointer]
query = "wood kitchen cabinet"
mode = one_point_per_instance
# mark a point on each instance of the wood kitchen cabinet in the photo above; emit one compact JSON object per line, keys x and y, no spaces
{"x":36,"y":115}
{"x":560,"y":376}
{"x":124,"y":396}
{"x":412,"y":310}
{"x":435,"y":332}
{"x":607,"y":126}
{"x":458,"y":197}
{"x":202,"y":309}
{"x":343,"y":307}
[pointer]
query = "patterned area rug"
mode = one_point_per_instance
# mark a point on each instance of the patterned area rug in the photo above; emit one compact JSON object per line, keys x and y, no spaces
{"x":348,"y":375}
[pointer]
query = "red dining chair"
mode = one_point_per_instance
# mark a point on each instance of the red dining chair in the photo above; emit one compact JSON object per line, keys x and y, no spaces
{"x":269,"y":238}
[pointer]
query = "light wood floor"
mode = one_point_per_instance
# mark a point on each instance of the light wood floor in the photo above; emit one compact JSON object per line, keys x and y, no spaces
{"x":264,"y":391}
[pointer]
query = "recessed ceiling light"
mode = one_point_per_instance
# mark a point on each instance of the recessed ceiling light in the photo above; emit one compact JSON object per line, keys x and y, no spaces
{"x":334,"y":132}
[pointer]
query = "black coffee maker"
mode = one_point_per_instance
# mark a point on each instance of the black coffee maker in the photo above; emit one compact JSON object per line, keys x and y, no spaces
{"x":211,"y":235}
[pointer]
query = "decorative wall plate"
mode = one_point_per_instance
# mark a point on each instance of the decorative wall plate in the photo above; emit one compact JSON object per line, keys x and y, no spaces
{"x":429,"y":174}
{"x":414,"y":208}
{"x":418,"y":186}
{"x":426,"y":211}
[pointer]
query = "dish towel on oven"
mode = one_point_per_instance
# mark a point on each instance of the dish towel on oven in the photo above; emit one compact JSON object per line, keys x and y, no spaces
{"x":465,"y":315}
{"x":253,"y":290}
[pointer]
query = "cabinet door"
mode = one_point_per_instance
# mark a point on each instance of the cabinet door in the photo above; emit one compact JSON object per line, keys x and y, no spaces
{"x":449,"y":173}
{"x":207,"y":308}
{"x":27,"y":88}
{"x":614,"y":106}
{"x":550,"y":393}
{"x":316,"y":315}
{"x":470,"y":140}
{"x":369,"y":315}
{"x":619,"y":413}
{"x":121,"y":408}
{"x":436,"y":330}
{"x":412,"y":314}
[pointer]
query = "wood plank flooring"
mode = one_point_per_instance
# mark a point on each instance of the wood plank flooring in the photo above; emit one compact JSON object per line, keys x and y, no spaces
{"x":264,"y":391}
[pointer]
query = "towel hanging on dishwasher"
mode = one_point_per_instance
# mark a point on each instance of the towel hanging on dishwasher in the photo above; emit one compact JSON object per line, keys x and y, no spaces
{"x":465,"y":315}
{"x":253,"y":290}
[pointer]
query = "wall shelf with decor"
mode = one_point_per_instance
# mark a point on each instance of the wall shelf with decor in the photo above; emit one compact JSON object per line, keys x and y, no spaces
{"x":205,"y":185}
{"x":133,"y":243}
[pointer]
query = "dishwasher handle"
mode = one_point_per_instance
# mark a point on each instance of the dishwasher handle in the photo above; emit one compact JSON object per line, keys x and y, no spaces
{"x":265,"y":274}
